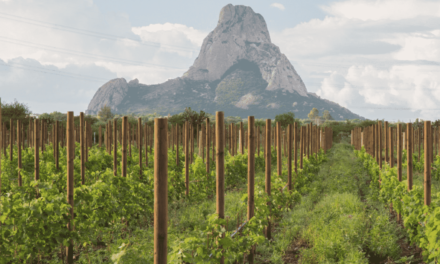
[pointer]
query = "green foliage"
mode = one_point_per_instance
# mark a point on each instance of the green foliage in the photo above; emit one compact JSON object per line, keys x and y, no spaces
{"x":326,"y":115}
{"x":420,"y":221}
{"x":15,"y":111}
{"x":285,"y":119}
{"x":105,"y":113}
{"x":314,"y":113}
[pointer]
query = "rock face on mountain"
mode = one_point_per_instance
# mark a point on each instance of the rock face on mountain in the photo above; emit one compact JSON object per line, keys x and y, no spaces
{"x":238,"y":71}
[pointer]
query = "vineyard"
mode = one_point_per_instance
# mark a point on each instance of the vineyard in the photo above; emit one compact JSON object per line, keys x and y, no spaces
{"x":215,"y":193}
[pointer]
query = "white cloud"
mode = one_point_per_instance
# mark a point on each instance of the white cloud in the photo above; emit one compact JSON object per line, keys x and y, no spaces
{"x":383,"y":9}
{"x":278,"y":5}
{"x":48,"y":88}
{"x":404,"y":86}
{"x":153,"y":53}
{"x":371,"y":56}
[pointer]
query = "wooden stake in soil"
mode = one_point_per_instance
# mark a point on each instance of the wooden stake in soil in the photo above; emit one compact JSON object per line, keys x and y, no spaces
{"x":125,"y":128}
{"x":295,"y":147}
{"x":207,"y":145}
{"x":36,"y":151}
{"x":391,"y":141}
{"x":20,"y":180}
{"x":100,"y":137}
{"x":146,"y":145}
{"x":160,"y":190}
{"x":56,"y":149}
{"x":187,"y":159}
{"x":139,"y":145}
{"x":268,"y":168}
{"x":177,"y":145}
{"x":379,"y":145}
{"x":251,"y":175}
{"x":301,"y":145}
{"x":241,"y":138}
{"x":399,"y":159}
{"x":409,"y":161}
{"x":11,"y":139}
{"x":278,"y":137}
{"x":427,"y":175}
{"x":289,"y":157}
{"x":82,"y":145}
{"x":70,"y":152}
{"x":2,"y":132}
{"x":220,"y":166}
{"x":2,"y":142}
{"x":115,"y":148}
{"x":386,"y":141}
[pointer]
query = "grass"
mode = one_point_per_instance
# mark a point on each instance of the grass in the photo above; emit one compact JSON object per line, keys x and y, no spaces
{"x":337,"y":221}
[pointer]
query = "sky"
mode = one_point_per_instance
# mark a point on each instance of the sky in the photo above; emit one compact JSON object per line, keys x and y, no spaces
{"x":378,"y":58}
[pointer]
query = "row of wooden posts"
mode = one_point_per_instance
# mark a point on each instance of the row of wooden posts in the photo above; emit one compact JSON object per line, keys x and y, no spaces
{"x":378,"y":137}
{"x":309,"y":137}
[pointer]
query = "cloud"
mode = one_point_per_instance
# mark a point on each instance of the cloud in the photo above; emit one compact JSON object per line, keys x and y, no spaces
{"x":400,"y":87}
{"x":383,"y":9}
{"x":278,"y":5}
{"x":49,"y":88}
{"x":76,"y":35}
{"x":370,"y":58}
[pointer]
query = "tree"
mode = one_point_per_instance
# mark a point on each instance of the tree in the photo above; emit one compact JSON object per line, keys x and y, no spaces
{"x":15,"y":111}
{"x":193,"y":117}
{"x":326,"y":115}
{"x":314,"y":113}
{"x":285,"y":119}
{"x":176,"y":119}
{"x":105,"y":113}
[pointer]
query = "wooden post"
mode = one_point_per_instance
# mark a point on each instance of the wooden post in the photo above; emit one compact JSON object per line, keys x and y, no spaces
{"x":2,"y":142}
{"x":268,"y":168}
{"x":409,"y":161}
{"x":399,"y":159}
{"x":251,"y":175}
{"x":220,"y":166}
{"x":386,"y":141}
{"x":82,"y":145}
{"x":125,"y":128}
{"x":279,"y":158}
{"x":100,"y":137}
{"x":303,"y":145}
{"x":86,"y":141}
{"x":289,"y":157}
{"x":20,"y":180}
{"x":419,"y":134}
{"x":295,"y":148}
{"x":160,"y":190}
{"x":139,"y":144}
{"x":11,"y":139}
{"x":207,"y":146}
{"x":379,"y":143}
{"x":115,"y":148}
{"x":427,"y":174}
{"x":191,"y":137}
{"x":70,"y":182}
{"x":187,"y":159}
{"x":241,"y":138}
{"x":56,"y":149}
{"x":391,"y":141}
{"x":258,"y":140}
{"x":36,"y":151}
{"x":146,"y":145}
{"x":177,"y":145}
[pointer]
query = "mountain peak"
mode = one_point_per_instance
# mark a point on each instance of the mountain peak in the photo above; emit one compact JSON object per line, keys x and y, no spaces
{"x":238,"y":71}
{"x":241,"y":34}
